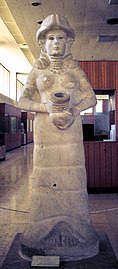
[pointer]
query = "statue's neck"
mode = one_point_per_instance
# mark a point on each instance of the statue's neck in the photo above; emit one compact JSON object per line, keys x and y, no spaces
{"x":56,"y":64}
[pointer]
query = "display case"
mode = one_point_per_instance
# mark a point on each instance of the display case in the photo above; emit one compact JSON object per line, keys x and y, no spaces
{"x":27,"y":119}
{"x":10,"y":122}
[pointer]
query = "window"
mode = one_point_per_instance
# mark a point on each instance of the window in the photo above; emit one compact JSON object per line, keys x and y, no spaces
{"x":99,"y":123}
{"x":19,"y":89}
{"x":4,"y":81}
{"x":20,"y":82}
{"x":99,"y":106}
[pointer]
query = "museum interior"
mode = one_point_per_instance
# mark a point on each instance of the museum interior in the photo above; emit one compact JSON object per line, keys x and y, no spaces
{"x":96,"y":47}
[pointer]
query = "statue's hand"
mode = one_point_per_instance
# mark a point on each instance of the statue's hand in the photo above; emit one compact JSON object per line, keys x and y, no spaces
{"x":74,"y":111}
{"x":49,"y":107}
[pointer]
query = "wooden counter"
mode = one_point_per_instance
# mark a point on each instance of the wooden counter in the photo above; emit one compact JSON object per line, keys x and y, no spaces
{"x":101,"y":164}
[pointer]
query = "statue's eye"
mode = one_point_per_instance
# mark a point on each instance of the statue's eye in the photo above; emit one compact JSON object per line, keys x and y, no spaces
{"x":51,"y":38}
{"x":61,"y":37}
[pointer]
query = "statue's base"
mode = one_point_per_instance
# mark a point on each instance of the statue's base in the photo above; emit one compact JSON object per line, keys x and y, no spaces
{"x":104,"y":260}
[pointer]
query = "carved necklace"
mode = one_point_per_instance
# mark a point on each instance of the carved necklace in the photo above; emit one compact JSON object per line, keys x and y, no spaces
{"x":56,"y":65}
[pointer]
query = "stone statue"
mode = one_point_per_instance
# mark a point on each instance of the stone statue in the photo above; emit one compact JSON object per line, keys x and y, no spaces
{"x":57,"y":90}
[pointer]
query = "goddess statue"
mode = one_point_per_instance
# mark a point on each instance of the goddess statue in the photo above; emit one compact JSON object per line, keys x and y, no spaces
{"x":57,"y":90}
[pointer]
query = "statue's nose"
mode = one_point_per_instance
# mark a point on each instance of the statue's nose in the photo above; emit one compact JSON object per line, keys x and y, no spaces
{"x":56,"y":40}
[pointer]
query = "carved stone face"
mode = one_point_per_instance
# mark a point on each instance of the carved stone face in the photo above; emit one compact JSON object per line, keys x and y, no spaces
{"x":55,"y":42}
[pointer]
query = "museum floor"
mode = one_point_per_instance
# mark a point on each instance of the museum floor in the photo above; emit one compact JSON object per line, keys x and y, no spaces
{"x":15,"y":194}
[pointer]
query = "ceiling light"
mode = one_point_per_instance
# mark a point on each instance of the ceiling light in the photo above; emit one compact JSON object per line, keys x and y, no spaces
{"x":112,"y":21}
{"x":39,"y":22}
{"x":35,"y":4}
{"x":23,"y":46}
{"x":107,"y":38}
{"x":113,"y":2}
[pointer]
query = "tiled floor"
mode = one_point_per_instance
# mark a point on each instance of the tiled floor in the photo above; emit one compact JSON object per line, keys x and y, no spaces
{"x":15,"y":194}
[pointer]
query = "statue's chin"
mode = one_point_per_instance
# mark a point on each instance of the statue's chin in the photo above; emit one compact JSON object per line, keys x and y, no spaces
{"x":62,"y":120}
{"x":56,"y":53}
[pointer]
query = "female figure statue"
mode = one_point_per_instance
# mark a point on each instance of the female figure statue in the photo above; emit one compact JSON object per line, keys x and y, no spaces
{"x":57,"y":90}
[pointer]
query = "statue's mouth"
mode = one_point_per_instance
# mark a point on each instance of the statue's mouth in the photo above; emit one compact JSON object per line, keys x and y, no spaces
{"x":56,"y":47}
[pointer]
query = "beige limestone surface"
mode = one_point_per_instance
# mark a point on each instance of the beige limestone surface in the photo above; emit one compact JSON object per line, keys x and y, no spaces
{"x":59,"y":222}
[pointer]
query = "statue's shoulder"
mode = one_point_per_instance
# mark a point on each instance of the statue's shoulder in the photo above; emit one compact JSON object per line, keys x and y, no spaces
{"x":42,"y":62}
{"x":71,"y":63}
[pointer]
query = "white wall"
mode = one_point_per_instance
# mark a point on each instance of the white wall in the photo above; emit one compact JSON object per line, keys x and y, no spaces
{"x":12,"y":58}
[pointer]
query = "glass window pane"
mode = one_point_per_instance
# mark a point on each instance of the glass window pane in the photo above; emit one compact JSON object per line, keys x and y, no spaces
{"x":19,"y":89}
{"x":4,"y":81}
{"x":99,"y":106}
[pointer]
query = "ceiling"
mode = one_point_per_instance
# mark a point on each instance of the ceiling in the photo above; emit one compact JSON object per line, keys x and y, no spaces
{"x":87,"y":17}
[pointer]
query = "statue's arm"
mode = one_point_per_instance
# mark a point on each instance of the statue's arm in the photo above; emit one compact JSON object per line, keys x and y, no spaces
{"x":30,"y":99}
{"x":33,"y":106}
{"x":87,"y":95}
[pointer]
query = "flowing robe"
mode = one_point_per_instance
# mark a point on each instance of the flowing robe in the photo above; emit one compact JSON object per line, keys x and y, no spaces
{"x":59,"y":221}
